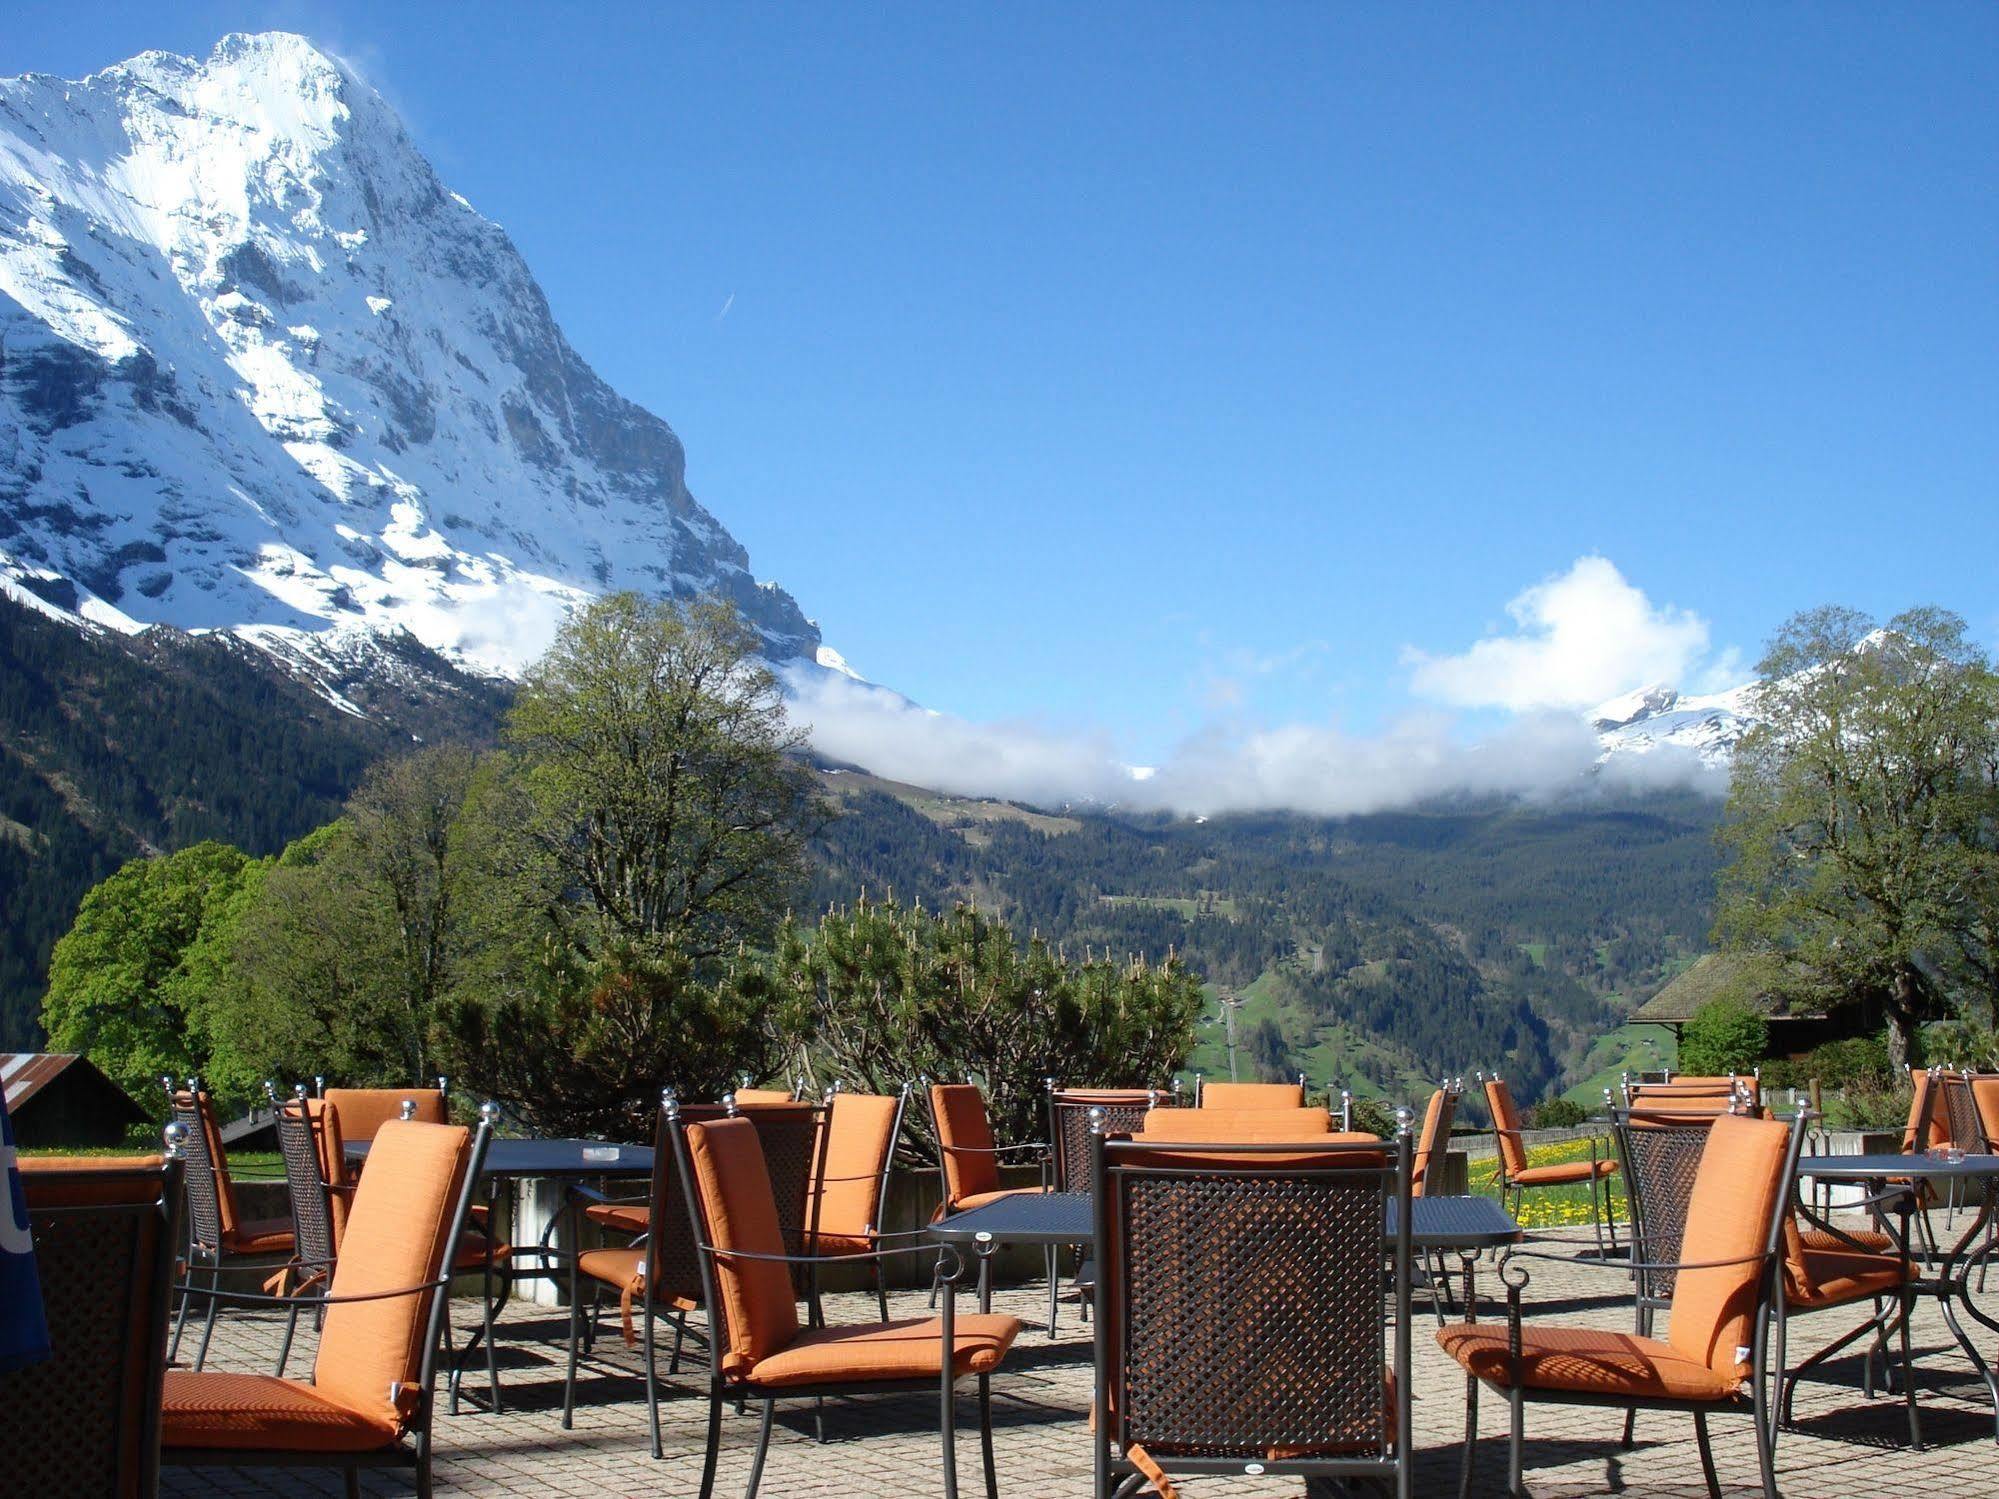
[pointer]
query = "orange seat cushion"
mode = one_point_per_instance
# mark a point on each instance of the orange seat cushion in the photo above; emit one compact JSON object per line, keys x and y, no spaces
{"x":826,"y":1243}
{"x":259,"y":1411}
{"x":260,"y":1236}
{"x":888,"y":1351}
{"x":620,"y":1268}
{"x":1866,"y":1238}
{"x":625,"y":1217}
{"x":980,"y":1199}
{"x":1835,"y":1277}
{"x":1583,"y":1361}
{"x":472,"y":1249}
{"x":1562,"y":1173}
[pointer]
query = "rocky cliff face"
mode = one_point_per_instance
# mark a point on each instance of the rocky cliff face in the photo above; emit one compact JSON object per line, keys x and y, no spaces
{"x":261,"y":371}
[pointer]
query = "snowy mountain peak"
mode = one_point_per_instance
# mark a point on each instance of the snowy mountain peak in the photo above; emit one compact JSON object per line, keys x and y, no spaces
{"x":1661,"y":717}
{"x":260,"y":367}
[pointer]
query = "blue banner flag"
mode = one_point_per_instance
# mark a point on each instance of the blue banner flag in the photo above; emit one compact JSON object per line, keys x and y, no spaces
{"x":24,"y":1331}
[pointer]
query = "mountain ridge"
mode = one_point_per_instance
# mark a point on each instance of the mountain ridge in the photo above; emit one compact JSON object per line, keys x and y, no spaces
{"x":261,"y":371}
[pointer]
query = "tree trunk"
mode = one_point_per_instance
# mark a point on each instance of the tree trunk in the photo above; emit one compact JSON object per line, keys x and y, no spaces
{"x":1903,"y":1007}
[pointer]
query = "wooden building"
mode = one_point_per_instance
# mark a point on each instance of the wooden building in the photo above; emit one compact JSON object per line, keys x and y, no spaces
{"x":61,"y":1100}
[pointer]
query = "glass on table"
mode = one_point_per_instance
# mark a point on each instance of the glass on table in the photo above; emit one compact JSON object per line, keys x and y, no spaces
{"x":1949,"y":1155}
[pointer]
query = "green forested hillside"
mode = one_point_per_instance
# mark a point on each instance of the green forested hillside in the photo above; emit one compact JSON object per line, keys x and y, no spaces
{"x":1380,"y":950}
{"x":111,"y":747}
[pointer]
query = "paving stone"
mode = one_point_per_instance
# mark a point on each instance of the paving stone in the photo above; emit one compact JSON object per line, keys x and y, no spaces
{"x":1842,"y":1445}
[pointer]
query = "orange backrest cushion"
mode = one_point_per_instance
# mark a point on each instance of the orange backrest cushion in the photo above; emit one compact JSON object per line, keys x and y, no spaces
{"x":225,"y":1188}
{"x":1252,"y":1095}
{"x":965,"y":1139}
{"x":1737,"y":1187}
{"x":1985,"y":1095}
{"x":398,"y":1236}
{"x":1249,"y":1125}
{"x":860,"y":1133}
{"x":732,"y":1184}
{"x":1920,"y":1132}
{"x":764,"y":1095}
{"x":1506,"y":1124}
{"x":330,"y":1140}
{"x":363,"y":1111}
{"x":1436,"y":1136}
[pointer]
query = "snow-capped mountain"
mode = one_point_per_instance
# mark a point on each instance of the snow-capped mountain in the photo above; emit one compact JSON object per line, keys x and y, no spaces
{"x":261,"y":371}
{"x":1660,"y":717}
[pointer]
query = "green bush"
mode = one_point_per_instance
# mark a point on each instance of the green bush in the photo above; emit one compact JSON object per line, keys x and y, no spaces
{"x":1556,"y":1113}
{"x":1723,"y":1036}
{"x":1860,"y":1061}
{"x":881,"y":993}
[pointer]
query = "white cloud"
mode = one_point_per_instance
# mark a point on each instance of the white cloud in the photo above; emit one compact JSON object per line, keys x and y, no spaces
{"x":1317,"y":769}
{"x":883,"y":731}
{"x":1579,"y":638}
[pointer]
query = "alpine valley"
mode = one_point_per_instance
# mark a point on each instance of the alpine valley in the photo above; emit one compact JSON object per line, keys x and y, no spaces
{"x":296,"y":467}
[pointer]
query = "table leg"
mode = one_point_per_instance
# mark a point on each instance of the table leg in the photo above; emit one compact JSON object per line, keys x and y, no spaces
{"x":1953,"y":1291}
{"x":986,"y":1246}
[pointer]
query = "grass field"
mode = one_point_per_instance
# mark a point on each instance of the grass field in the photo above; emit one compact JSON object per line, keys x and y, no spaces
{"x":1553,"y":1207}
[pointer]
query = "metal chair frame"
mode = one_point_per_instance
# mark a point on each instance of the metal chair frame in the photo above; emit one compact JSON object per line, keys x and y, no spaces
{"x":417,"y":1429}
{"x":1044,"y":1159}
{"x":1515,"y":1277}
{"x":1069,"y":1115}
{"x":204,"y":1249}
{"x":881,"y":1199}
{"x":668,"y":1236}
{"x":150,"y":1285}
{"x":1603,"y":1214}
{"x":1381,"y":1171}
{"x":722,"y":1389}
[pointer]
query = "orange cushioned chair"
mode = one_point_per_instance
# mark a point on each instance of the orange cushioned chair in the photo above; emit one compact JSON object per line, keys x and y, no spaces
{"x":850,"y":1191}
{"x":1723,"y":1284}
{"x":1209,"y":1095}
{"x":86,"y":1420}
{"x":311,"y":1137}
{"x":1825,"y":1269}
{"x":657,"y":1274}
{"x":372,"y":1378}
{"x":760,"y":1350}
{"x":217,"y":1231}
{"x":968,"y":1160}
{"x":1517,"y":1177}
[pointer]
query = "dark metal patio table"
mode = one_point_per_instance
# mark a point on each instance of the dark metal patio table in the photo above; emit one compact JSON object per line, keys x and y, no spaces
{"x":1951,"y":1284}
{"x":1463,"y":1224}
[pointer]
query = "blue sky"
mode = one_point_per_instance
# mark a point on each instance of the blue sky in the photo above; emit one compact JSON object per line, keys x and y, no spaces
{"x":1148,"y":372}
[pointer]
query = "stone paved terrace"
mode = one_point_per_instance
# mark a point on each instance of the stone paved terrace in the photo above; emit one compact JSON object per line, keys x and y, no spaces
{"x":883,"y":1448}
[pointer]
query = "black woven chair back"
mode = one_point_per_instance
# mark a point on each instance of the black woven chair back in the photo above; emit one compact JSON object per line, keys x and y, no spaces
{"x":204,"y":1194}
{"x":1069,"y":1125}
{"x":1245,"y":1297}
{"x":1660,"y":1152}
{"x":793,"y":1143}
{"x":312,"y":1211}
{"x":1960,"y":1113}
{"x":86,"y":1420}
